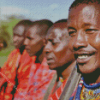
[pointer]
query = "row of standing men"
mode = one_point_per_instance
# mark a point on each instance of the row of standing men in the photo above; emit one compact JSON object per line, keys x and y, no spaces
{"x":51,"y":57}
{"x":26,"y":74}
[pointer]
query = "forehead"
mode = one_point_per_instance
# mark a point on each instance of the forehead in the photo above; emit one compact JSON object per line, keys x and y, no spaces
{"x":19,"y":30}
{"x":57,"y":33}
{"x":84,"y":13}
{"x":32,"y":31}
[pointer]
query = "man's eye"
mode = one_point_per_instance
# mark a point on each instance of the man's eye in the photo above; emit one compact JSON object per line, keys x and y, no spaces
{"x":29,"y":38}
{"x":72,"y":33}
{"x":90,"y":31}
{"x":55,"y":43}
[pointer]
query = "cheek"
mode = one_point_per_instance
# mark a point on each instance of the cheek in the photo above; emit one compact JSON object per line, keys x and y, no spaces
{"x":21,"y":40}
{"x":15,"y":38}
{"x":32,"y":46}
{"x":37,"y":45}
{"x":60,"y":52}
{"x":71,"y":42}
{"x":95,"y":41}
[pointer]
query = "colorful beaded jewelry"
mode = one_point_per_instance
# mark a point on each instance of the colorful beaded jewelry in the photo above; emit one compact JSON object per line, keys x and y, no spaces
{"x":87,"y":92}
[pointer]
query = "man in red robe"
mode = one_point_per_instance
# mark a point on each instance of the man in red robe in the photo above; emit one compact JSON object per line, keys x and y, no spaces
{"x":8,"y":72}
{"x":59,"y":56}
{"x":40,"y":75}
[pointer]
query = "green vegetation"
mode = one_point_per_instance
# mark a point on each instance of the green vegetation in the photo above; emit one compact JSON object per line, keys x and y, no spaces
{"x":6,"y":34}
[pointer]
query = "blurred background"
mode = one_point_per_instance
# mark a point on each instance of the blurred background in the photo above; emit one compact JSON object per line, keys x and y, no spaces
{"x":12,"y":11}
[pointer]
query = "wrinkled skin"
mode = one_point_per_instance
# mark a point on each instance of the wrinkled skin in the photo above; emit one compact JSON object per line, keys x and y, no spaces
{"x":56,"y":49}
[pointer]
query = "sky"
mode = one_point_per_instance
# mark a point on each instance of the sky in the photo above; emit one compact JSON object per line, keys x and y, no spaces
{"x":35,"y":9}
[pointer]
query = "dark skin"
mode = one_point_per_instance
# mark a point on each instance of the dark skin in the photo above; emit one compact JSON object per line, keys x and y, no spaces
{"x":84,"y":31}
{"x":33,"y":40}
{"x":57,"y":52}
{"x":18,"y":37}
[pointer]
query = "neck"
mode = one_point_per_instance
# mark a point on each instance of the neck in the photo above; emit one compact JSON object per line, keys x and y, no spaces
{"x":67,"y":70}
{"x":39,"y":57}
{"x":92,"y":77}
{"x":21,"y":49}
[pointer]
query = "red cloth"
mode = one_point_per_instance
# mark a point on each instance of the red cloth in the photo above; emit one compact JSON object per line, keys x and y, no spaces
{"x":16,"y":65}
{"x":8,"y":74}
{"x":33,"y":78}
{"x":23,"y":73}
{"x":39,"y":80}
{"x":58,"y":92}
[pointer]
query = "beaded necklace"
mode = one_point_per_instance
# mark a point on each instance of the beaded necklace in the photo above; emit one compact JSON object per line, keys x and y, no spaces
{"x":87,"y":92}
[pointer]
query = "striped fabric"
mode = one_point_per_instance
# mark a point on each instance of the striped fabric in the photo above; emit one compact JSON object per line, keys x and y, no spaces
{"x":58,"y":92}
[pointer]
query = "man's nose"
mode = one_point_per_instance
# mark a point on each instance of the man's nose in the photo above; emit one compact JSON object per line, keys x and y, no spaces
{"x":80,"y":41}
{"x":15,"y":38}
{"x":26,"y":41}
{"x":48,"y":48}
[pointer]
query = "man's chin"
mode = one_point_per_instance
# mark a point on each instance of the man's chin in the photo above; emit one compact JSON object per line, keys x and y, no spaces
{"x":52,"y":67}
{"x":31,"y":55}
{"x":84,"y":69}
{"x":17,"y":47}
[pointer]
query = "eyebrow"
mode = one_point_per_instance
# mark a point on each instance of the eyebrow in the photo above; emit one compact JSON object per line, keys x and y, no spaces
{"x":71,"y":28}
{"x":17,"y":34}
{"x":86,"y":24}
{"x":29,"y":37}
{"x":50,"y":39}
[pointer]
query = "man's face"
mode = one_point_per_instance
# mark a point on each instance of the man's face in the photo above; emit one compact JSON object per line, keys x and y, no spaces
{"x":56,"y":50}
{"x":84,"y":31}
{"x":33,"y":42}
{"x":18,"y":36}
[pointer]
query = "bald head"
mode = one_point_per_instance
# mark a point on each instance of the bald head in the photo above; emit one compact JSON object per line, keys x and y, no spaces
{"x":42,"y":27}
{"x":61,"y":20}
{"x":23,"y":23}
{"x":59,"y":29}
{"x":78,"y":2}
{"x":19,"y":32}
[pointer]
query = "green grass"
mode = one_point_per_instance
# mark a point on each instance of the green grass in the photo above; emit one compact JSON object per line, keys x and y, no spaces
{"x":4,"y":54}
{"x":11,"y":25}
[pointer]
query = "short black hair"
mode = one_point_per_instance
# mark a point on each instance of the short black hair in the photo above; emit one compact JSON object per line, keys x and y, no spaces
{"x":44,"y":25}
{"x":26,"y":23}
{"x":77,"y":2}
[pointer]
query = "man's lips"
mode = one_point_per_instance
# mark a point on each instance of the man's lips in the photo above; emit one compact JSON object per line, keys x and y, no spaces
{"x":15,"y":43}
{"x":27,"y":49}
{"x":84,"y":57}
{"x":50,"y":60}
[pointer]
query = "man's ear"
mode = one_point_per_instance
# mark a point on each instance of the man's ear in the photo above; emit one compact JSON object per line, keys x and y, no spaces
{"x":44,"y":41}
